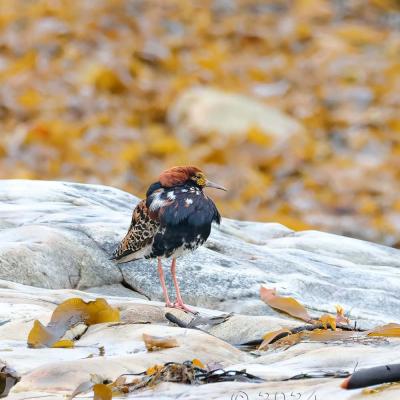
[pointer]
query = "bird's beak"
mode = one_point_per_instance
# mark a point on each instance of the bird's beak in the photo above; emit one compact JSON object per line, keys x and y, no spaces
{"x":215,"y":186}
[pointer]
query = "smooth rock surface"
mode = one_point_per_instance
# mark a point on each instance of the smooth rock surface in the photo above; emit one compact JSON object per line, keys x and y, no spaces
{"x":202,"y":110}
{"x":54,"y":373}
{"x":60,"y":235}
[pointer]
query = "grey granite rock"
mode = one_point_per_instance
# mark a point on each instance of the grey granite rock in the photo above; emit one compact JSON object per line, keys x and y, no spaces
{"x":60,"y":235}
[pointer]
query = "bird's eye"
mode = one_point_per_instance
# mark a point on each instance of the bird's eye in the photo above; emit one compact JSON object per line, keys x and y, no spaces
{"x":200,"y":179}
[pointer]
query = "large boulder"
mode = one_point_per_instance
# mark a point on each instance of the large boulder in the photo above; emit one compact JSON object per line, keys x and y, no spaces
{"x":60,"y":235}
{"x":201,"y":110}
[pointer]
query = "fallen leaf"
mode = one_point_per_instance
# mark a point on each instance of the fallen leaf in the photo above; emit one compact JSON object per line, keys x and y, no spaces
{"x":102,"y":392}
{"x":287,"y":341}
{"x":268,"y":337}
{"x":66,"y":316}
{"x":388,"y":330}
{"x":154,"y":343}
{"x":153,"y":369}
{"x":63,"y":344}
{"x":188,"y":372}
{"x":287,"y":305}
{"x":324,"y":335}
{"x":327,"y":321}
{"x":197,"y":363}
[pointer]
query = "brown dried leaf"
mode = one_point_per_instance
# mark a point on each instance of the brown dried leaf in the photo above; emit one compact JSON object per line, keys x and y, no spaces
{"x":67,"y":315}
{"x":287,"y":341}
{"x":388,"y":330}
{"x":268,"y":337}
{"x":287,"y":305}
{"x":154,"y":343}
{"x":323,"y":335}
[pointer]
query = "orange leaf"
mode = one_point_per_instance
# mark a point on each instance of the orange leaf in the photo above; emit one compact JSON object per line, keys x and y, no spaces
{"x":287,"y":305}
{"x":388,"y":330}
{"x":197,"y":363}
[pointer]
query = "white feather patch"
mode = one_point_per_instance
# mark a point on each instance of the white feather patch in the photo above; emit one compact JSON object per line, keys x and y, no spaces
{"x":171,"y":195}
{"x":157,"y":201}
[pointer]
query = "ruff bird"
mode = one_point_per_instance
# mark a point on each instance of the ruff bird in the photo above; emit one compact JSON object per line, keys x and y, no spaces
{"x":175,"y":218}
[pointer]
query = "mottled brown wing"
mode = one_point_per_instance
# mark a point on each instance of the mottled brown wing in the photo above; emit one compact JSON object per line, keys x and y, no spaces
{"x":140,"y":235}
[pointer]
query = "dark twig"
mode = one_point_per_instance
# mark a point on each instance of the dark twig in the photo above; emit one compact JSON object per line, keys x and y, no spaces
{"x":320,"y":374}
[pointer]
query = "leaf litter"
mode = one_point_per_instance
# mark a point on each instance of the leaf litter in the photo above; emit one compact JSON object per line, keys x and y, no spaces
{"x":189,"y":372}
{"x":326,"y":328}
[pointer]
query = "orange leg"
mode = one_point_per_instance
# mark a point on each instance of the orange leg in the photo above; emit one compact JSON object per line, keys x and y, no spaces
{"x":164,"y":287}
{"x":179,"y":302}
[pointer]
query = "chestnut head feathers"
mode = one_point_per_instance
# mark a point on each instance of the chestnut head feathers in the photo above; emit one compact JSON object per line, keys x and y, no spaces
{"x":180,"y":175}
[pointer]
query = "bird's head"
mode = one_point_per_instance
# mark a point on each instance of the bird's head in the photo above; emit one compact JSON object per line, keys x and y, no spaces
{"x":176,"y":176}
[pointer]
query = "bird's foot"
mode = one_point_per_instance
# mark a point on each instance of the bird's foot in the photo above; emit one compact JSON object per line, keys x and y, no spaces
{"x":181,"y":306}
{"x":169,"y":304}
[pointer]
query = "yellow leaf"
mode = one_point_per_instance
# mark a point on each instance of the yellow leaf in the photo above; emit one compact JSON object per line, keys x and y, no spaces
{"x":67,"y":315}
{"x":328,"y":320}
{"x":388,"y":330}
{"x":102,"y":392}
{"x":63,"y":344}
{"x":152,"y":370}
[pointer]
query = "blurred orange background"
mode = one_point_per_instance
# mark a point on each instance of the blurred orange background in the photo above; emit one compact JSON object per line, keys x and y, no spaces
{"x":292,"y":105}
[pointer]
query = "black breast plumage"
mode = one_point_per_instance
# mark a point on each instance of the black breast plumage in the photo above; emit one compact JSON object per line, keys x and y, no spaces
{"x":185,"y":215}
